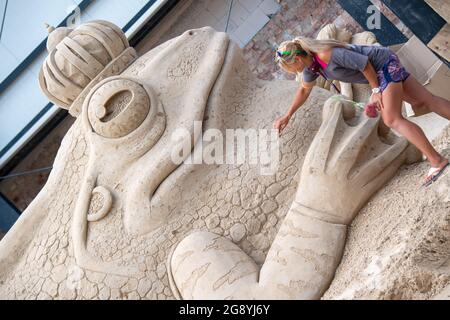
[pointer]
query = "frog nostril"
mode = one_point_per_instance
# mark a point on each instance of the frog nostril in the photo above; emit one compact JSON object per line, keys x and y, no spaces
{"x":191,"y":33}
{"x":100,"y":204}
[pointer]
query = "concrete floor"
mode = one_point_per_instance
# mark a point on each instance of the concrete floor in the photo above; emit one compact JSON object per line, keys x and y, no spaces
{"x":432,"y":124}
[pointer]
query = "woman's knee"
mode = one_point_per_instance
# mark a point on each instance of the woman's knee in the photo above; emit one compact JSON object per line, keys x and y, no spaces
{"x":420,"y":105}
{"x":420,"y":108}
{"x":392,"y":121}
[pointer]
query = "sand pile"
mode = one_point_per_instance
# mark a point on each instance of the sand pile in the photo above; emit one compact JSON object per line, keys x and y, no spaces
{"x":399,"y":245}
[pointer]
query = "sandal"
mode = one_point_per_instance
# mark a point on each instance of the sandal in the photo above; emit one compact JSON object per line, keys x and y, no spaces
{"x":434,"y":174}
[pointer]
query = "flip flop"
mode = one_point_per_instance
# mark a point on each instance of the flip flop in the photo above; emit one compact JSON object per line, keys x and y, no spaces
{"x":434,"y":174}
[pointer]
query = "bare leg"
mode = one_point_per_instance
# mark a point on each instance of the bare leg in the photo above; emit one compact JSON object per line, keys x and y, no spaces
{"x":417,"y":95}
{"x":392,"y":116}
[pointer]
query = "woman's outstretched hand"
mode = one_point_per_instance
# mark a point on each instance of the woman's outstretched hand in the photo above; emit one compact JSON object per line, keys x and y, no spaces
{"x":281,"y":123}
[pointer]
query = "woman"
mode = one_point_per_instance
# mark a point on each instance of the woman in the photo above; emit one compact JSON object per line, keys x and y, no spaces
{"x":375,"y":65}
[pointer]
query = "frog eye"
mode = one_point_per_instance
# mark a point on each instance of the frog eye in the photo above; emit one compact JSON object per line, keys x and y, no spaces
{"x":117,"y":107}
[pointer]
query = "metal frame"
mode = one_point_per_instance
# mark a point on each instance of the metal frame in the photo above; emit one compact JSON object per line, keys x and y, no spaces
{"x":229,"y":15}
{"x":3,"y":19}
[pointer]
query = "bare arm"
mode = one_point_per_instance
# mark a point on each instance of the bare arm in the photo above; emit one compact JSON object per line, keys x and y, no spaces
{"x":300,"y":97}
{"x":371,"y":76}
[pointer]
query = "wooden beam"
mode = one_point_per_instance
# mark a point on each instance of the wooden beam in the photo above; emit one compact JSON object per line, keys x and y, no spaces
{"x":419,"y":17}
{"x":441,"y":7}
{"x":440,"y":43}
{"x":387,"y":35}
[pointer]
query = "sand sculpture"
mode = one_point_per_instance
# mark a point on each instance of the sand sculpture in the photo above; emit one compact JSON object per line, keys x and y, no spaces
{"x":118,"y":219}
{"x":346,"y":163}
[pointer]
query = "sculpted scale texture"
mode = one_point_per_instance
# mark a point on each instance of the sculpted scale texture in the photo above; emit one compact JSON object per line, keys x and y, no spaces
{"x":118,"y":219}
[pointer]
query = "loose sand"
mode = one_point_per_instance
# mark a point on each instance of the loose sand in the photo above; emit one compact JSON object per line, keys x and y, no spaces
{"x":399,"y":245}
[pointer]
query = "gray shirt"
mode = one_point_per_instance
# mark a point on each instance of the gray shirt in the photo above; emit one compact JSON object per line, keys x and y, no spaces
{"x":347,"y":64}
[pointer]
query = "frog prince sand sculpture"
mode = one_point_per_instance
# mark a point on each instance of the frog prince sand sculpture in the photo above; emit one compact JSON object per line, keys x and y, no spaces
{"x":118,"y":219}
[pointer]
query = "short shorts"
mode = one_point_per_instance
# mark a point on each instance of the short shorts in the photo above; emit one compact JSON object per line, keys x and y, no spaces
{"x":392,"y":71}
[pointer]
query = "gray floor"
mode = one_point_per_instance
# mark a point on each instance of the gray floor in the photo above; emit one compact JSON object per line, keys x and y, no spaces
{"x":432,"y":124}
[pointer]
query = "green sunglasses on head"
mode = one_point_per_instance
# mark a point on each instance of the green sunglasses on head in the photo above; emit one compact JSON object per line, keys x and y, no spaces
{"x":287,"y":53}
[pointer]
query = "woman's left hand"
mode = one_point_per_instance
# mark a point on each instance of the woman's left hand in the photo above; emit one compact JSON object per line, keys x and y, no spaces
{"x":378,"y":99}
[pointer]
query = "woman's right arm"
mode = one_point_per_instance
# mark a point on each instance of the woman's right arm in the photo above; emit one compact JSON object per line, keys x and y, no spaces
{"x":301,"y":96}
